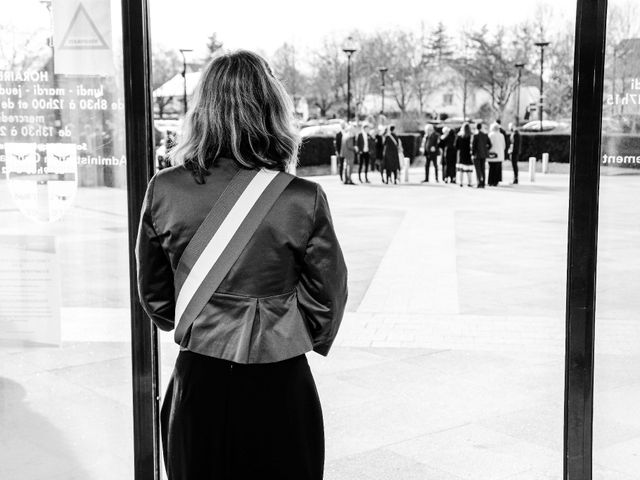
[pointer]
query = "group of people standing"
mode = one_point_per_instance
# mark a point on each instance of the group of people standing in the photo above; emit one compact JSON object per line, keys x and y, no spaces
{"x":461,"y":153}
{"x":381,"y":151}
{"x":467,"y":151}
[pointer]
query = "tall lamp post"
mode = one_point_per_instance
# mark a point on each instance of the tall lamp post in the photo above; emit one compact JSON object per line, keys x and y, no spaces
{"x":383,"y":70}
{"x":519,"y":66}
{"x":184,"y":77}
{"x":542,"y":46}
{"x":349,"y":48}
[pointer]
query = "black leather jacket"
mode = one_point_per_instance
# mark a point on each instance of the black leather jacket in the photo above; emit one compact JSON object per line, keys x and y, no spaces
{"x":284,"y":296}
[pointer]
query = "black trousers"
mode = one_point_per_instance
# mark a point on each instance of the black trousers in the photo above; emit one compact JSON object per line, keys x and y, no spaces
{"x":495,"y":174}
{"x":341,"y":166}
{"x":227,"y":421}
{"x":364,"y":159}
{"x":479,"y":163}
{"x":429,"y":160}
{"x":514,"y":166}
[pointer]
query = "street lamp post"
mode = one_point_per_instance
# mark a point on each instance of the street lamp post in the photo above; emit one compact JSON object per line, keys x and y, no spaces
{"x":542,"y":46}
{"x":383,"y":70}
{"x":349,"y":48}
{"x":519,"y":66}
{"x":184,"y":77}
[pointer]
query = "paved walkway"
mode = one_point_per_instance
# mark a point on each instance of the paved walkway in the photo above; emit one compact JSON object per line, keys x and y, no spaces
{"x":449,"y":363}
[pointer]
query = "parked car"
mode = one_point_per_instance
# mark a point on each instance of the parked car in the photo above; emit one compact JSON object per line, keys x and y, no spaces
{"x":547,"y":126}
{"x":329,"y":130}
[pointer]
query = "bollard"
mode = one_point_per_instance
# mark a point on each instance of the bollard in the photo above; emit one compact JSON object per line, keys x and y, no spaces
{"x":545,"y":163}
{"x":334,"y":165}
{"x":406,"y":169}
{"x":532,"y":169}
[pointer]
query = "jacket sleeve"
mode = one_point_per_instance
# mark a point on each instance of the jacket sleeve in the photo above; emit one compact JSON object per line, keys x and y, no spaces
{"x":322,"y":289}
{"x":155,"y":275}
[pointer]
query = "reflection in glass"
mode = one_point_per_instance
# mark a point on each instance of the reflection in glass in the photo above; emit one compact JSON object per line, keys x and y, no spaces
{"x":617,"y":379}
{"x":65,"y":386}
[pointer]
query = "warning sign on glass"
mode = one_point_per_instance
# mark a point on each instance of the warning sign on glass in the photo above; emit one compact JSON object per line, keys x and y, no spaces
{"x":82,"y":37}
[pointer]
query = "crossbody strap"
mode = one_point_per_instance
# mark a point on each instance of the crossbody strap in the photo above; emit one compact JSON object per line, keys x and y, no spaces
{"x":220,"y":240}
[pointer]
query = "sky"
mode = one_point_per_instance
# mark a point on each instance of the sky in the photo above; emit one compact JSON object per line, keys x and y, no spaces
{"x":264,"y":25}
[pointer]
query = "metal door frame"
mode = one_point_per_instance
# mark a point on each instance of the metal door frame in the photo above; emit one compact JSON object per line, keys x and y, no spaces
{"x":586,"y":130}
{"x":140,"y":167}
{"x":581,"y":250}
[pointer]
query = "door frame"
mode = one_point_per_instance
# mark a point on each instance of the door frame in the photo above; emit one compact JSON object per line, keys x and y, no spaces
{"x":586,"y":130}
{"x":140,"y":168}
{"x":589,"y":55}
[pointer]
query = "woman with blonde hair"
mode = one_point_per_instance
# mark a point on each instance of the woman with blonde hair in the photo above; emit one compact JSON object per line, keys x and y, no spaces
{"x":463,"y":150}
{"x":242,"y":260}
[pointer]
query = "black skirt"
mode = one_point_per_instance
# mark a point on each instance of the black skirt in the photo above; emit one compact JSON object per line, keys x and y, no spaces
{"x":495,"y":173}
{"x":228,"y":421}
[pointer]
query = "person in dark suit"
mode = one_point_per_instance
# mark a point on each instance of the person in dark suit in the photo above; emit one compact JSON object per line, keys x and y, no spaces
{"x":449,"y":155}
{"x":480,"y":145}
{"x":241,"y":397}
{"x":379,"y":161}
{"x":337,"y":144}
{"x":430,"y":150}
{"x":391,"y":155}
{"x":514,"y":150}
{"x":365,"y":144}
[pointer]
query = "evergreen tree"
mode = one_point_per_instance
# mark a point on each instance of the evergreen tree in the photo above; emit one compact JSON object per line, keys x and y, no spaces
{"x":439,"y":45}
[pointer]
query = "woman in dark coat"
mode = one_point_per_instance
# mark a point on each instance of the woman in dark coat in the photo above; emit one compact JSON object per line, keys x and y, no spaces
{"x":379,"y":162}
{"x":463,"y":148}
{"x":241,"y":402}
{"x":447,"y":144}
{"x":391,"y":157}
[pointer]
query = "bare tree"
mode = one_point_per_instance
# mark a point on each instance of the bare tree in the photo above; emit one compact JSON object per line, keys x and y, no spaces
{"x":166,"y":63}
{"x":623,"y":51}
{"x":559,"y":63}
{"x":285,"y":68}
{"x":23,"y":50}
{"x":396,"y":51}
{"x":491,"y":66}
{"x":327,"y":79}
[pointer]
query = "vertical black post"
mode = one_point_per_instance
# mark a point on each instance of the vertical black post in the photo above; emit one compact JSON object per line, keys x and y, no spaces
{"x":348,"y":87}
{"x":140,"y":166}
{"x":184,"y":85}
{"x":541,"y":45}
{"x":583,"y":234}
{"x":540,"y":113}
{"x":183,"y":51}
{"x":383,"y":70}
{"x":519,"y":66}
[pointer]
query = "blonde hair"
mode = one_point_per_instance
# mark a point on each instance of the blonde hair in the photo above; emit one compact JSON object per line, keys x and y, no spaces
{"x":241,"y":110}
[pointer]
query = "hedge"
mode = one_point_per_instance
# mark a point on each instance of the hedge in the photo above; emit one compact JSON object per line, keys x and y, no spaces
{"x":318,"y":150}
{"x":535,"y":144}
{"x":557,"y":146}
{"x":620,"y":146}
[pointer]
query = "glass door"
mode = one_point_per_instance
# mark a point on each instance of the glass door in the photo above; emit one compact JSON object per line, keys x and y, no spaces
{"x":617,"y":375}
{"x":65,"y":347}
